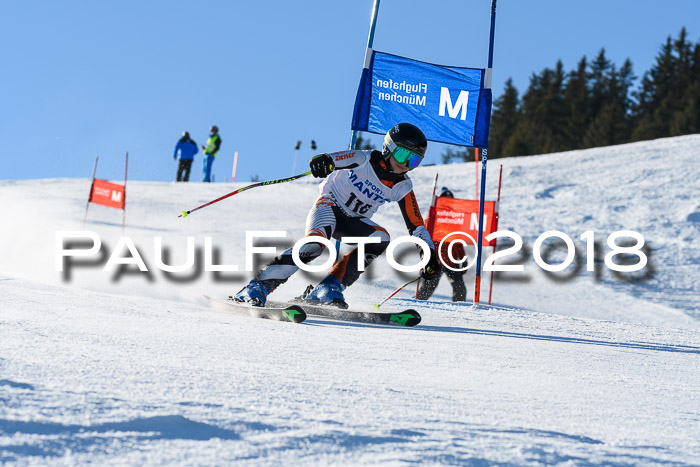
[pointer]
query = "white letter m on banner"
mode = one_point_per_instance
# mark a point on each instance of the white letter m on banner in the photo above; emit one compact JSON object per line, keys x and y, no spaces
{"x":461,"y":104}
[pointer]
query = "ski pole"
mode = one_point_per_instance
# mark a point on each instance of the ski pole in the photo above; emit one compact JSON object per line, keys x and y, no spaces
{"x":377,"y":305}
{"x":254,"y":185}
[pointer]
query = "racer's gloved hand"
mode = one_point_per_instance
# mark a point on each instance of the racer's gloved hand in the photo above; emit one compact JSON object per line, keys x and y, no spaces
{"x":433,"y":268}
{"x":321,"y":166}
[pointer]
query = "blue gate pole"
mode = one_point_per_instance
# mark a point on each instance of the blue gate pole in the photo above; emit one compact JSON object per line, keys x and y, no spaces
{"x":484,"y":151}
{"x":368,"y":55}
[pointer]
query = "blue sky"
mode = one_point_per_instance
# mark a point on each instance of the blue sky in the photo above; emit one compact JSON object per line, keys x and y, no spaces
{"x":83,"y":79}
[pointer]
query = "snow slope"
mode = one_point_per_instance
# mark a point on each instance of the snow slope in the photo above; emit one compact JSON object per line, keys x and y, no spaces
{"x":576,"y":367}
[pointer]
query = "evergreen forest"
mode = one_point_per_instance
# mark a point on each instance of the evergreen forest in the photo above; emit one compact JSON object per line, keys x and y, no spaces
{"x":597,"y":104}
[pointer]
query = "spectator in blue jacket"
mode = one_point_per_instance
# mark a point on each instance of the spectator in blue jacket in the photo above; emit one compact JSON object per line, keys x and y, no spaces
{"x":187,"y":149}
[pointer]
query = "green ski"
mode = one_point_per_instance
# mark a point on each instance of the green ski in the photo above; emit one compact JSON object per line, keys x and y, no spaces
{"x":406,"y":318}
{"x":291,"y":313}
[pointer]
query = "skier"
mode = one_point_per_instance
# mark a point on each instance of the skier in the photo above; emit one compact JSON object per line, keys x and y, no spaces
{"x":357,"y":183}
{"x":455,"y":278}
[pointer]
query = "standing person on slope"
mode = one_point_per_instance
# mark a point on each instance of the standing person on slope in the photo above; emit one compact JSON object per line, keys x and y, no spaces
{"x":210,"y":151}
{"x":357,"y":183}
{"x":187,"y":148}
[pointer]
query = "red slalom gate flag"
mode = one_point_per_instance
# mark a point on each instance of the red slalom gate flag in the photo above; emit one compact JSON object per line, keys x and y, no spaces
{"x":461,"y":215}
{"x":108,"y":194}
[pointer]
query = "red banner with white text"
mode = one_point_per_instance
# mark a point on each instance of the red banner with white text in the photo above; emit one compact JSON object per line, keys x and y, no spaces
{"x":461,"y":215}
{"x":108,"y":194}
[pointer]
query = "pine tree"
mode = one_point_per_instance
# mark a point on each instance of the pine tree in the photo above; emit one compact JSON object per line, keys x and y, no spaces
{"x":554,"y":111}
{"x":688,"y":119}
{"x":540,"y":129}
{"x":599,"y":82}
{"x":650,"y":111}
{"x":685,"y":115}
{"x":612,"y":125}
{"x":457,"y":155}
{"x":598,"y":78}
{"x":577,"y":100}
{"x":504,"y":120}
{"x":523,"y":142}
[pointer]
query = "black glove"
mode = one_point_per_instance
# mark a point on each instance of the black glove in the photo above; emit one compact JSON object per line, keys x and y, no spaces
{"x":433,"y":268}
{"x":321,"y":166}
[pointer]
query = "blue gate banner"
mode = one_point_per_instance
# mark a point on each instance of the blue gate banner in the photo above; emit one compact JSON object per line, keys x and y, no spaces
{"x":450,"y":104}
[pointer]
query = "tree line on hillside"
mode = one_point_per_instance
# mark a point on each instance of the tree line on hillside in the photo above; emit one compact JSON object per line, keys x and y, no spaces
{"x":595,"y":105}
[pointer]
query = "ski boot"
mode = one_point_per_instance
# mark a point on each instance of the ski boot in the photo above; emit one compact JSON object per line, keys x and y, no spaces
{"x":255,"y":294}
{"x":328,"y":292}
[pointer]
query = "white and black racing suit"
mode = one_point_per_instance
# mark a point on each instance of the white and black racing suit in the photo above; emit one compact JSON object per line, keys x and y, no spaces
{"x":350,"y":195}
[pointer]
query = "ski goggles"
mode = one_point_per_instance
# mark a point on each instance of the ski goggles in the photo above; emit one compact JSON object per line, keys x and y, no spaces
{"x":404,"y":155}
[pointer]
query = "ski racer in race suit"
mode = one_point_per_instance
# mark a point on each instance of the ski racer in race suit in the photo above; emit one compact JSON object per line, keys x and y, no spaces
{"x":356,"y":184}
{"x":454,"y":276}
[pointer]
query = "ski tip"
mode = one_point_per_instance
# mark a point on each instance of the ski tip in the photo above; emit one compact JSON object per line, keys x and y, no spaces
{"x":408,"y":318}
{"x":295,"y":314}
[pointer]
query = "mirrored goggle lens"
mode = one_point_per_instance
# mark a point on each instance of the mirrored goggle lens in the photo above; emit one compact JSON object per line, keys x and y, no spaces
{"x":403,"y":155}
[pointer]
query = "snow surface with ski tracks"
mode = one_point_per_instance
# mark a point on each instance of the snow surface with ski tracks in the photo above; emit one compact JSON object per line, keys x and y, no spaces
{"x":575,"y":367}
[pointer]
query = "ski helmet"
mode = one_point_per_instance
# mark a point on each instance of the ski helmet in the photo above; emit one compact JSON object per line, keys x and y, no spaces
{"x":406,"y":143}
{"x":445,"y":192}
{"x":214,"y":129}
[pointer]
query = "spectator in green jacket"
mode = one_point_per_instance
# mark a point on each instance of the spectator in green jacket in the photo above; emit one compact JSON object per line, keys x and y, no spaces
{"x":211,"y":149}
